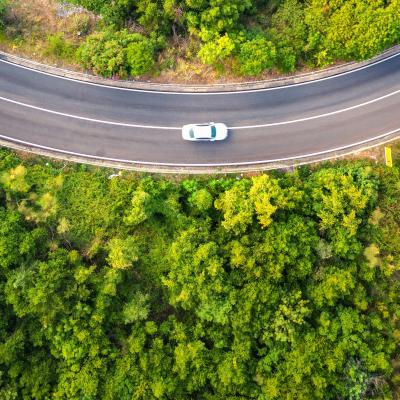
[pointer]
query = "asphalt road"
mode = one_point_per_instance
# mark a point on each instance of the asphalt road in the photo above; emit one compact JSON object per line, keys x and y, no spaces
{"x":142,"y":126}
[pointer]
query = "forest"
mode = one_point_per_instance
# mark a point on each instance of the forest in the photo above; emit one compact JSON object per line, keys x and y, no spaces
{"x":127,"y":286}
{"x":243,"y":38}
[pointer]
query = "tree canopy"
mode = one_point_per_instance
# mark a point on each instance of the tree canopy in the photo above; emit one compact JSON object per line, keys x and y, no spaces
{"x":202,"y":39}
{"x":279,"y":286}
{"x":253,"y":35}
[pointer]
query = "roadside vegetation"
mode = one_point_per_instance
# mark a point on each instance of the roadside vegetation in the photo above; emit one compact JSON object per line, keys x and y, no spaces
{"x":199,"y":39}
{"x":124,"y":286}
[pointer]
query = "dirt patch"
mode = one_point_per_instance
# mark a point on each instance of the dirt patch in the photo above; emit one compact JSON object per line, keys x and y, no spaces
{"x":65,"y":10}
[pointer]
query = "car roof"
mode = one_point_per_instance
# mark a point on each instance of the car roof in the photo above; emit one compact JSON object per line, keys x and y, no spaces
{"x":202,"y":131}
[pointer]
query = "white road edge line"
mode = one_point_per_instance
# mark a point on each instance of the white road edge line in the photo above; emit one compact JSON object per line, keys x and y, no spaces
{"x":179,"y":128}
{"x":203,"y":93}
{"x":88,"y":156}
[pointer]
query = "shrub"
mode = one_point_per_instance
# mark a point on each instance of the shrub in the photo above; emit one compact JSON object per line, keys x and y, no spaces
{"x":3,"y":7}
{"x":140,"y":57}
{"x":79,"y":24}
{"x":289,"y":34}
{"x":113,"y":53}
{"x":213,"y":53}
{"x":286,"y":59}
{"x":58,"y":46}
{"x":256,"y":56}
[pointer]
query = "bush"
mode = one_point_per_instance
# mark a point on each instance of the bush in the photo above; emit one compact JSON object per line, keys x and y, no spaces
{"x":79,"y":24}
{"x":140,"y":57}
{"x":3,"y":7}
{"x":289,"y":34}
{"x":113,"y":53}
{"x":256,"y":56}
{"x":58,"y":46}
{"x":215,"y":52}
{"x":286,"y":59}
{"x":351,"y":30}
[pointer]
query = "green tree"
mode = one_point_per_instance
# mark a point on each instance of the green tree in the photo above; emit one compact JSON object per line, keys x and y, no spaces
{"x":289,"y":34}
{"x":216,"y":51}
{"x":281,"y":286}
{"x":119,"y":53}
{"x":3,"y":9}
{"x":256,"y":56}
{"x":140,"y":57}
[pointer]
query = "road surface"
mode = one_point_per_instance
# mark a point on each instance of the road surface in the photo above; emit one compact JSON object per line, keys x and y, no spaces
{"x":266,"y":125}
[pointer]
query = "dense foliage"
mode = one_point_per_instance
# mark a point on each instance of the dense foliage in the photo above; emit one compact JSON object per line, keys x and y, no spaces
{"x":199,"y":38}
{"x":253,"y":35}
{"x":278,"y":286}
{"x":3,"y":6}
{"x":118,"y":53}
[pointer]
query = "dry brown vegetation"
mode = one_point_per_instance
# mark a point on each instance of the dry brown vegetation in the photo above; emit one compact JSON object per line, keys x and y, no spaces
{"x":32,"y":19}
{"x":31,"y":26}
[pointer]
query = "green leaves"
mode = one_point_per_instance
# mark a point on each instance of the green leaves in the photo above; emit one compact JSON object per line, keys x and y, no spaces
{"x":216,"y":51}
{"x":140,"y":57}
{"x":123,"y":253}
{"x":120,"y":53}
{"x":256,"y":56}
{"x":245,"y":37}
{"x":340,"y":199}
{"x":351,"y":29}
{"x":137,"y":309}
{"x":269,"y":287}
{"x":237,"y":209}
{"x":262,"y":199}
{"x":291,"y":312}
{"x":3,"y":8}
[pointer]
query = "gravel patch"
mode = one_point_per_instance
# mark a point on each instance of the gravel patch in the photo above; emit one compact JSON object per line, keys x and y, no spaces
{"x":66,"y":9}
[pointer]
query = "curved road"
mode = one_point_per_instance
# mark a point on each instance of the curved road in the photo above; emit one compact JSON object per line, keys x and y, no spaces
{"x":145,"y":127}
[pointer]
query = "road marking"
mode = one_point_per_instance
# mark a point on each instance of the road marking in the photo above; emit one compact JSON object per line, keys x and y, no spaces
{"x":276,"y":160}
{"x":320,"y":115}
{"x":202,"y":93}
{"x":179,"y":128}
{"x":100,"y":121}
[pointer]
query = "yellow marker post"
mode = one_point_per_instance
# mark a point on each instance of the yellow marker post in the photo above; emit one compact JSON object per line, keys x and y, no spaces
{"x":388,"y":156}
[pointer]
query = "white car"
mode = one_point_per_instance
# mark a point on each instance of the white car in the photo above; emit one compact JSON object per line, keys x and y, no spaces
{"x":205,"y":132}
